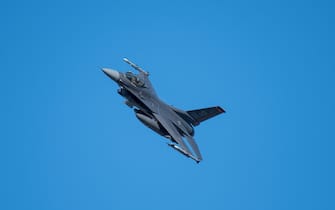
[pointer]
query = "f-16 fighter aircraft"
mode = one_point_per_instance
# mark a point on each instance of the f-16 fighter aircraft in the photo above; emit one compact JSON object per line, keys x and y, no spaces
{"x":168,"y":121}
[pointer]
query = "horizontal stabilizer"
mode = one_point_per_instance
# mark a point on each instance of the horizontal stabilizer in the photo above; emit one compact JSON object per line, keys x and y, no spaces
{"x":200,"y":115}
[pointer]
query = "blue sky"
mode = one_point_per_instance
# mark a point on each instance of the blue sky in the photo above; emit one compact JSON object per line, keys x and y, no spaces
{"x":69,"y":142}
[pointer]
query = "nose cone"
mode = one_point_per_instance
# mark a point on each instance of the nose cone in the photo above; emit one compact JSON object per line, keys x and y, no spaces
{"x":114,"y":75}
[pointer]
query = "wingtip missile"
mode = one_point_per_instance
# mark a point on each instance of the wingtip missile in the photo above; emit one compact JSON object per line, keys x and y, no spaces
{"x":126,"y":60}
{"x":177,"y":148}
{"x":135,"y":66}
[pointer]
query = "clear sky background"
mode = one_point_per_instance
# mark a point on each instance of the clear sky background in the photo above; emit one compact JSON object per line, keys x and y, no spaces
{"x":69,"y":142}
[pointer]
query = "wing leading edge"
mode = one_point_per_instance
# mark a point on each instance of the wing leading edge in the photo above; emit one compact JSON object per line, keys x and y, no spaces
{"x":195,"y":147}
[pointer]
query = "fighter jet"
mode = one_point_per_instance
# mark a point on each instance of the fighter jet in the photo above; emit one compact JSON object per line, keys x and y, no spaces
{"x":168,"y":121}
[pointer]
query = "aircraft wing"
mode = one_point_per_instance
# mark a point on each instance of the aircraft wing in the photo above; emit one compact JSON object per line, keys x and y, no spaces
{"x":171,"y":129}
{"x":194,"y":146}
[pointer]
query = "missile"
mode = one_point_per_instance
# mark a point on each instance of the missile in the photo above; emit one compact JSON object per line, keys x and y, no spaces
{"x":183,"y":152}
{"x":179,"y":150}
{"x":135,"y":66}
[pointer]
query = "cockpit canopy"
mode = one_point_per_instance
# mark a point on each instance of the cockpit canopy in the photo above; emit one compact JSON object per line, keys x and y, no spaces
{"x":134,"y":79}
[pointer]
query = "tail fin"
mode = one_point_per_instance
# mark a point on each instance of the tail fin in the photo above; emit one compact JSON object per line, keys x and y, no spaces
{"x":200,"y":115}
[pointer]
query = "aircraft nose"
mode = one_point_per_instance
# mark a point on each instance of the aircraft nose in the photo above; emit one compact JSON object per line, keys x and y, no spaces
{"x":114,"y":75}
